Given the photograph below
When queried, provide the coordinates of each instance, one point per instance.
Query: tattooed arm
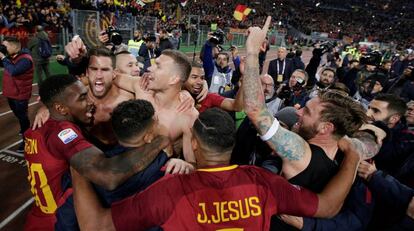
(366, 143)
(110, 172)
(294, 151)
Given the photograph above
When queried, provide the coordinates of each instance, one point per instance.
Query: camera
(114, 35)
(324, 47)
(327, 46)
(217, 37)
(372, 58)
(3, 49)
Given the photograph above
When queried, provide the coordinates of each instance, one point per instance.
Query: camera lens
(116, 38)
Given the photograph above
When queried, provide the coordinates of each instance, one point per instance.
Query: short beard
(308, 132)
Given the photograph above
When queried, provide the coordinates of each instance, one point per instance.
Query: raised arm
(110, 172)
(128, 82)
(229, 104)
(288, 145)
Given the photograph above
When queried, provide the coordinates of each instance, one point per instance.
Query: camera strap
(284, 65)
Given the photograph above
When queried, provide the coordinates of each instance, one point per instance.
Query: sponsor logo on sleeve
(67, 135)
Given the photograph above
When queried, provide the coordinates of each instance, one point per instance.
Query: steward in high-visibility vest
(135, 44)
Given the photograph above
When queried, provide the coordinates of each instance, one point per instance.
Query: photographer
(312, 67)
(372, 86)
(326, 79)
(369, 62)
(293, 91)
(112, 39)
(218, 72)
(403, 81)
(149, 51)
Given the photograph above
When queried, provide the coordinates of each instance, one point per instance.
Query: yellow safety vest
(133, 47)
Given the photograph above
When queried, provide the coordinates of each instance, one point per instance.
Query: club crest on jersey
(67, 135)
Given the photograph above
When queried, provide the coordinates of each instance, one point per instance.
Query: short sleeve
(66, 141)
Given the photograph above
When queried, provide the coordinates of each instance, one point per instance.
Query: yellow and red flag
(241, 12)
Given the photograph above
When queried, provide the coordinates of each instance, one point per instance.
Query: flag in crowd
(241, 12)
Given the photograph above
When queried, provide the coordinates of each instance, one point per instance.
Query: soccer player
(50, 150)
(195, 85)
(166, 78)
(217, 195)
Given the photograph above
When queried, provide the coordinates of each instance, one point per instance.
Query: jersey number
(50, 205)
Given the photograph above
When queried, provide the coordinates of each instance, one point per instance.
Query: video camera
(372, 58)
(324, 47)
(217, 37)
(287, 92)
(114, 35)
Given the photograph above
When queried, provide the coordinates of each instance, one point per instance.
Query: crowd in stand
(53, 15)
(355, 19)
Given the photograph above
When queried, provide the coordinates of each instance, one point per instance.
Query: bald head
(39, 28)
(281, 53)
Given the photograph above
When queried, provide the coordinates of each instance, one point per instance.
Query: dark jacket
(312, 66)
(349, 80)
(392, 199)
(407, 92)
(34, 44)
(395, 149)
(18, 76)
(165, 44)
(274, 71)
(147, 54)
(354, 215)
(298, 63)
(73, 68)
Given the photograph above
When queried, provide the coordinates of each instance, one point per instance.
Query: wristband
(272, 130)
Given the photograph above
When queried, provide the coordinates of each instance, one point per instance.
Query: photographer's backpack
(45, 49)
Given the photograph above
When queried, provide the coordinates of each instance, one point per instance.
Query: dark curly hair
(51, 88)
(131, 118)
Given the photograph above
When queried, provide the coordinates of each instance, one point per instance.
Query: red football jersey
(223, 198)
(212, 100)
(47, 152)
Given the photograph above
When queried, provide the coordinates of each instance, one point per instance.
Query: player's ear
(60, 108)
(194, 143)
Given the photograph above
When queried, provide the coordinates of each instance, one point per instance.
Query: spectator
(390, 110)
(218, 71)
(164, 42)
(281, 68)
(148, 51)
(17, 82)
(41, 63)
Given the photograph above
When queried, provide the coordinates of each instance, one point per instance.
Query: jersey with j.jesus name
(48, 151)
(221, 198)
